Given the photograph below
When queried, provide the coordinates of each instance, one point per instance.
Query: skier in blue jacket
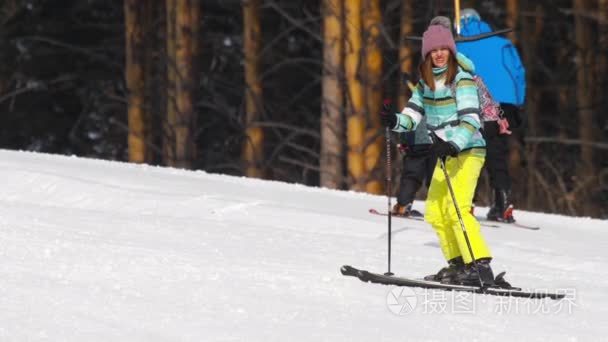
(497, 62)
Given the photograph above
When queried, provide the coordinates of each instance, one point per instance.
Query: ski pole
(388, 194)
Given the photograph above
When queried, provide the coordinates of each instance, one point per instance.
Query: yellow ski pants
(463, 171)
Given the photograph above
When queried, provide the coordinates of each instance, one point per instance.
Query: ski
(376, 278)
(418, 216)
(512, 224)
(415, 214)
(509, 214)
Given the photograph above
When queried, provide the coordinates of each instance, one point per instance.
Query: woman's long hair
(426, 70)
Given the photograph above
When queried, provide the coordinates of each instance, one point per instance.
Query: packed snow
(94, 250)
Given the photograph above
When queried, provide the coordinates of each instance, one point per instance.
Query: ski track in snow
(93, 250)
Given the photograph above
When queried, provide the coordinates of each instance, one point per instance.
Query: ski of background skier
(418, 216)
(514, 224)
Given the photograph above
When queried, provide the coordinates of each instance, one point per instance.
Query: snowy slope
(100, 251)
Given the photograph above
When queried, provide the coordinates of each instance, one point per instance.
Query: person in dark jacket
(417, 168)
(498, 63)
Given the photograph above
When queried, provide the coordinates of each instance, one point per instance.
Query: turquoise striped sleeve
(412, 114)
(416, 102)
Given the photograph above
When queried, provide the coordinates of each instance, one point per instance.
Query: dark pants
(417, 168)
(497, 162)
(497, 158)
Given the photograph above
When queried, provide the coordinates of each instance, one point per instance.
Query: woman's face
(440, 57)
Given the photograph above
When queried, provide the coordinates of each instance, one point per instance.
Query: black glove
(490, 129)
(442, 149)
(513, 114)
(387, 115)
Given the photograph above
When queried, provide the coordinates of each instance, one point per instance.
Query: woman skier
(445, 100)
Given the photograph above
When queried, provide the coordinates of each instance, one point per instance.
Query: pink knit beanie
(435, 37)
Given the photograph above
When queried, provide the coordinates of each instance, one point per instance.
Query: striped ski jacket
(451, 112)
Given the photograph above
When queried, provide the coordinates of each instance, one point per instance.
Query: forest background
(290, 90)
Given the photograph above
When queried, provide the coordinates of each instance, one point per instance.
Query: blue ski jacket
(496, 61)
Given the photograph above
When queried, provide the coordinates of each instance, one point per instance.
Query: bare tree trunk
(182, 38)
(512, 19)
(156, 85)
(406, 53)
(515, 147)
(169, 123)
(253, 147)
(532, 28)
(188, 15)
(355, 119)
(332, 120)
(138, 117)
(585, 83)
(602, 56)
(372, 23)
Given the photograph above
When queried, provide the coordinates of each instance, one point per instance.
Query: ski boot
(501, 283)
(507, 216)
(402, 209)
(472, 273)
(502, 210)
(448, 274)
